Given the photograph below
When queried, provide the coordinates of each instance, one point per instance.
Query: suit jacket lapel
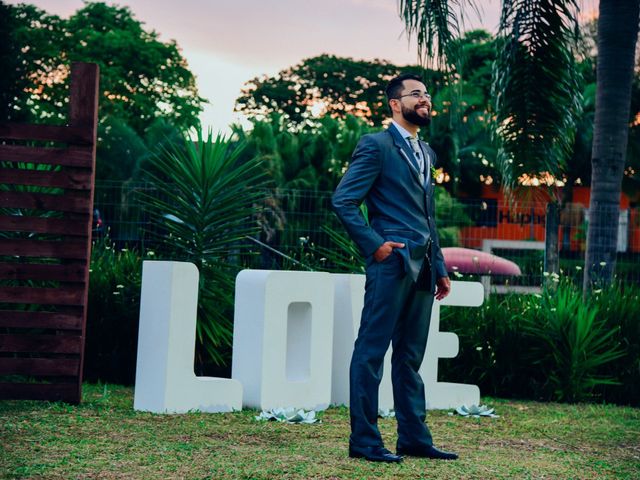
(428, 158)
(429, 181)
(405, 152)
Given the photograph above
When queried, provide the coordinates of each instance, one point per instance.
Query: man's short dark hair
(394, 87)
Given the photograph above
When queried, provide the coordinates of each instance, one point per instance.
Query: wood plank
(47, 202)
(24, 343)
(44, 249)
(76, 135)
(83, 99)
(67, 392)
(43, 271)
(48, 156)
(53, 320)
(60, 226)
(43, 296)
(83, 111)
(53, 367)
(75, 180)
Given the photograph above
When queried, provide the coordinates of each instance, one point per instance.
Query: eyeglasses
(417, 95)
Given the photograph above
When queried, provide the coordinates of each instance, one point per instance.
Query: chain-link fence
(297, 228)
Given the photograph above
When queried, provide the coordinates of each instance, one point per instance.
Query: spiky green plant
(571, 342)
(619, 304)
(204, 206)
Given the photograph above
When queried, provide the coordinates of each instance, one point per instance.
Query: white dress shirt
(423, 163)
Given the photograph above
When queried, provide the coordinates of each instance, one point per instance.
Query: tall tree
(547, 25)
(459, 132)
(617, 36)
(536, 87)
(10, 87)
(325, 85)
(141, 77)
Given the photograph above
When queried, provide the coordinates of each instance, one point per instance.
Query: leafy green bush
(451, 216)
(113, 312)
(491, 347)
(555, 346)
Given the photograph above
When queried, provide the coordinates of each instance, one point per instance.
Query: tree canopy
(327, 85)
(141, 77)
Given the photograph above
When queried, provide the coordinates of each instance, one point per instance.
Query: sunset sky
(228, 42)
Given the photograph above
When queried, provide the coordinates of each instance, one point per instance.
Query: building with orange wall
(495, 218)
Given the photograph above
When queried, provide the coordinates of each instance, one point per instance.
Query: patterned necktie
(417, 153)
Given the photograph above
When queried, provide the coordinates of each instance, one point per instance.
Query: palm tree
(617, 35)
(535, 132)
(201, 209)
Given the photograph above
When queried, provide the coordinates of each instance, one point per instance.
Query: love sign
(292, 345)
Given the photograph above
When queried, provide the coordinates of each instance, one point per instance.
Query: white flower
(119, 286)
(598, 291)
(151, 253)
(546, 274)
(578, 267)
(602, 264)
(116, 293)
(478, 348)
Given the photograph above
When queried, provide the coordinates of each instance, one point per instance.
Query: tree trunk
(617, 34)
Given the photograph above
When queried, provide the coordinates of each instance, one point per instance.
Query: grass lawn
(105, 438)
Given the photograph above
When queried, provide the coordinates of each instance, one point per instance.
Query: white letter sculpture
(446, 345)
(292, 343)
(349, 299)
(165, 380)
(348, 303)
(282, 336)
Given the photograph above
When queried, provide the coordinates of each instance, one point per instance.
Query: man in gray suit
(391, 172)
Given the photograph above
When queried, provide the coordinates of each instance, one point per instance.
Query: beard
(413, 117)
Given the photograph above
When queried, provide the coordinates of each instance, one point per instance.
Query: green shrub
(491, 347)
(554, 346)
(570, 343)
(113, 312)
(619, 306)
(202, 212)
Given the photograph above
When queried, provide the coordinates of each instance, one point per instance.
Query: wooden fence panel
(47, 176)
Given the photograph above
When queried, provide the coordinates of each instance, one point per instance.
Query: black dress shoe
(426, 452)
(374, 454)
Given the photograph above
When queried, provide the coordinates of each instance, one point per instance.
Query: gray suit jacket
(384, 174)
